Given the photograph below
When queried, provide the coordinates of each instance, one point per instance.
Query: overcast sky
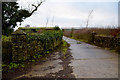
(72, 13)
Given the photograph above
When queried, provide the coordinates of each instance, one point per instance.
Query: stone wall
(107, 41)
(25, 47)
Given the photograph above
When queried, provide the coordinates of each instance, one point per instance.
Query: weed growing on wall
(29, 47)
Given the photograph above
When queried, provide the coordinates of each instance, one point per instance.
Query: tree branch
(36, 7)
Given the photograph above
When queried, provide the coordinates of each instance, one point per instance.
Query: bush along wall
(26, 46)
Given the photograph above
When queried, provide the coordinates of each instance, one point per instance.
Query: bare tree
(47, 20)
(53, 21)
(29, 8)
(88, 19)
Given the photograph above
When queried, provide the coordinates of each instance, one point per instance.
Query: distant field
(82, 33)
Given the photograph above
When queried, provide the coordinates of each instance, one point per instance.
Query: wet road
(91, 61)
(81, 60)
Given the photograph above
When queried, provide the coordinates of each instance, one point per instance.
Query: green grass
(64, 47)
(78, 42)
(64, 43)
(13, 65)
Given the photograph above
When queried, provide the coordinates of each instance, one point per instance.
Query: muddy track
(65, 73)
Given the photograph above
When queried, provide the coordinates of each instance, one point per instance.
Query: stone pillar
(93, 37)
(18, 39)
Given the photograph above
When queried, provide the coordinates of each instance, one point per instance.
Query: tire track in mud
(67, 70)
